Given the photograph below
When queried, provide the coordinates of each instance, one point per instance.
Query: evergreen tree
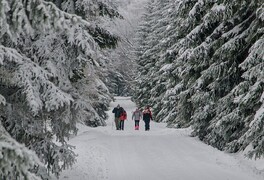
(48, 79)
(212, 68)
(13, 153)
(121, 66)
(147, 51)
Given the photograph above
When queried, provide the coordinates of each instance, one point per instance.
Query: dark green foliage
(201, 73)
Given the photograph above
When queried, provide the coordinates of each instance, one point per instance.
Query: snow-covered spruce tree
(223, 117)
(46, 54)
(253, 98)
(89, 61)
(25, 116)
(163, 77)
(186, 66)
(212, 48)
(141, 85)
(147, 51)
(166, 78)
(13, 153)
(159, 45)
(97, 12)
(15, 157)
(120, 66)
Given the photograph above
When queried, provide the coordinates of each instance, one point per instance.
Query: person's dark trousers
(147, 121)
(136, 123)
(122, 124)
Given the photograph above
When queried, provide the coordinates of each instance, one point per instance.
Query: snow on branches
(48, 62)
(206, 70)
(16, 159)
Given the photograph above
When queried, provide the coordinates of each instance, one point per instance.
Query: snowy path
(160, 154)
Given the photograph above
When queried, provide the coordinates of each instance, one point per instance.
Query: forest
(202, 64)
(197, 63)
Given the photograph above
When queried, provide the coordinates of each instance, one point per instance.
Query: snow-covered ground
(158, 154)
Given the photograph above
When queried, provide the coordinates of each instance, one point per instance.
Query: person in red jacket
(147, 116)
(123, 117)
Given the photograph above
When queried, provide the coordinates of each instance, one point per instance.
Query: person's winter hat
(118, 105)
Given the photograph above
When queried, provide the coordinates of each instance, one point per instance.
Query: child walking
(136, 116)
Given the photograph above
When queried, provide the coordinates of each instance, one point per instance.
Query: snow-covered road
(158, 154)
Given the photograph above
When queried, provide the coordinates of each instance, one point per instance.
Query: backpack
(123, 115)
(147, 115)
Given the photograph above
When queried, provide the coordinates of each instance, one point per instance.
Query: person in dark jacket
(117, 111)
(147, 116)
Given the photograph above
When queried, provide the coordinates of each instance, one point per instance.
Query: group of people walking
(137, 115)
